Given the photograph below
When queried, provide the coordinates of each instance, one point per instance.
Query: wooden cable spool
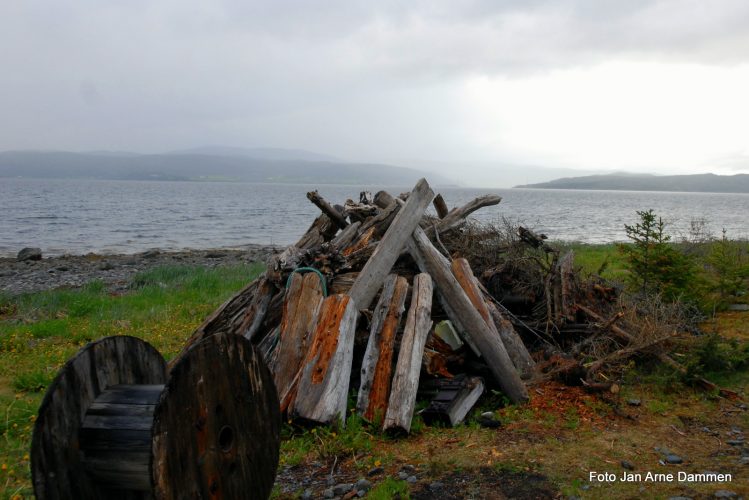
(113, 424)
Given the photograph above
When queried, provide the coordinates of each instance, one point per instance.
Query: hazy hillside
(206, 167)
(708, 183)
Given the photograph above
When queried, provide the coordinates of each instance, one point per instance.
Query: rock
(63, 268)
(341, 489)
(403, 475)
(328, 493)
(29, 253)
(436, 486)
(361, 493)
(411, 479)
(215, 254)
(634, 402)
(150, 254)
(725, 494)
(408, 468)
(363, 484)
(673, 459)
(375, 471)
(307, 495)
(628, 465)
(487, 414)
(735, 442)
(744, 461)
(106, 266)
(489, 423)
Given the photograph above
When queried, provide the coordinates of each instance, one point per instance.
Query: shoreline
(114, 270)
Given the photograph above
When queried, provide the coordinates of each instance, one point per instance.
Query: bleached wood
(391, 245)
(345, 237)
(440, 206)
(466, 318)
(457, 216)
(327, 209)
(406, 379)
(377, 365)
(323, 384)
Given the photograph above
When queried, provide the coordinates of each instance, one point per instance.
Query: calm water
(130, 216)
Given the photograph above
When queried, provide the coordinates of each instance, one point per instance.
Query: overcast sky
(657, 86)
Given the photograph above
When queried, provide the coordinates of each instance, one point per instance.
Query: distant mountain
(202, 167)
(701, 183)
(258, 153)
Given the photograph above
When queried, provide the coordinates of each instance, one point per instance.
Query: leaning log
(466, 318)
(440, 206)
(377, 365)
(566, 284)
(327, 209)
(323, 384)
(514, 346)
(457, 216)
(303, 300)
(406, 379)
(391, 245)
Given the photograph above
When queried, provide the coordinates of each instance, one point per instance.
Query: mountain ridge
(697, 183)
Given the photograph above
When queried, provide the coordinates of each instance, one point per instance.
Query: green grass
(602, 259)
(40, 331)
(389, 489)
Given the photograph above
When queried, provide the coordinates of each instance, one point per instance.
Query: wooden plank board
(466, 318)
(303, 300)
(406, 378)
(377, 365)
(322, 389)
(391, 245)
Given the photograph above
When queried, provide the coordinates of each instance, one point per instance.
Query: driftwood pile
(349, 309)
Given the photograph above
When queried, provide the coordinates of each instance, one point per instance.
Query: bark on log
(328, 210)
(324, 378)
(303, 300)
(255, 312)
(378, 266)
(377, 365)
(457, 216)
(406, 379)
(466, 318)
(440, 206)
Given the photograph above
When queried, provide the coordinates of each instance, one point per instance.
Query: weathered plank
(324, 378)
(406, 378)
(504, 330)
(466, 318)
(391, 245)
(377, 365)
(345, 237)
(302, 304)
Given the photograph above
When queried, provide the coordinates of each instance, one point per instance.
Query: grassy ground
(39, 332)
(545, 448)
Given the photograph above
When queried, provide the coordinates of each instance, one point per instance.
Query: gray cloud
(351, 78)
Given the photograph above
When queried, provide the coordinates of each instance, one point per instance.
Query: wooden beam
(303, 300)
(406, 379)
(377, 365)
(466, 318)
(323, 384)
(391, 245)
(501, 327)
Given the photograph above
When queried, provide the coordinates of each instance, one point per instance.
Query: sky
(477, 90)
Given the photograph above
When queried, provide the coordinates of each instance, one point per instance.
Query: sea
(103, 216)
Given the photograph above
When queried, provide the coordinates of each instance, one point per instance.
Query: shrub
(655, 266)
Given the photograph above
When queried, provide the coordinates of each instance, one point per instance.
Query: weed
(389, 489)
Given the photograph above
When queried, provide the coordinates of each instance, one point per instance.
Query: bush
(655, 265)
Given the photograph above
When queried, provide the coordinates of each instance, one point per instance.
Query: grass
(562, 433)
(40, 331)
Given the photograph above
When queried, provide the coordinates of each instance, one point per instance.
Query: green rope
(312, 270)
